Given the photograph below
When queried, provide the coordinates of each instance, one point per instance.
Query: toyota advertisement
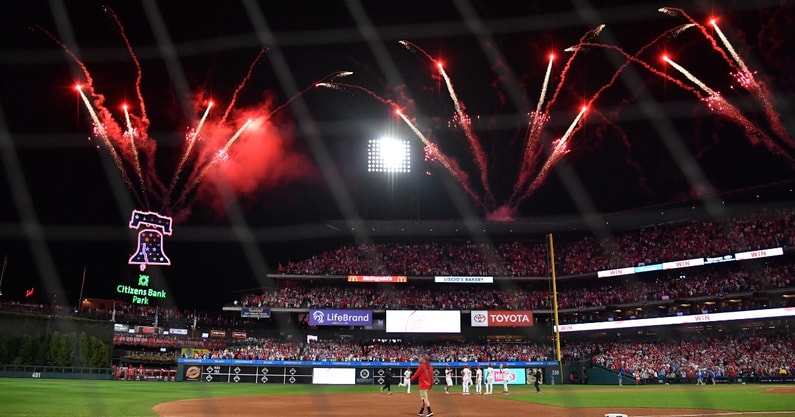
(340, 317)
(499, 318)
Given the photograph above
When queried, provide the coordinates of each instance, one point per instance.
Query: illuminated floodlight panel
(388, 155)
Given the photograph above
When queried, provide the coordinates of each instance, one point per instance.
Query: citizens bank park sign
(499, 318)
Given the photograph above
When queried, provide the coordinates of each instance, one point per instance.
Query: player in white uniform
(505, 373)
(478, 380)
(406, 380)
(466, 379)
(448, 378)
(489, 380)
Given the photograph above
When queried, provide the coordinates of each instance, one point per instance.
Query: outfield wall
(339, 373)
(54, 372)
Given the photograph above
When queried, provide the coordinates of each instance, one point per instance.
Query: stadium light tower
(388, 154)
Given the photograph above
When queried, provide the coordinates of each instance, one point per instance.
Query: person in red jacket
(424, 377)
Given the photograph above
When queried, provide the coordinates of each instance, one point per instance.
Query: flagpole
(80, 300)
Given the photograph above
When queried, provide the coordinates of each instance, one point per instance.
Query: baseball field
(48, 397)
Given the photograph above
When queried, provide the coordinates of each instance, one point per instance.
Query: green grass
(50, 397)
(752, 397)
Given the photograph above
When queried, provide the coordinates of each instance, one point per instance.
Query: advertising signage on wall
(340, 317)
(680, 320)
(423, 321)
(688, 263)
(377, 278)
(497, 318)
(463, 280)
(255, 312)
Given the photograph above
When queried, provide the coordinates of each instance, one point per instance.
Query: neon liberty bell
(152, 226)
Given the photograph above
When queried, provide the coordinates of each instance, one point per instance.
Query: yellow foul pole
(555, 301)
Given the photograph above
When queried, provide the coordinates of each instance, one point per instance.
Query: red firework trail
(665, 35)
(757, 89)
(343, 86)
(108, 130)
(242, 84)
(714, 101)
(590, 34)
(539, 118)
(532, 147)
(144, 119)
(319, 83)
(474, 143)
(195, 136)
(267, 157)
(718, 104)
(414, 48)
(647, 66)
(520, 193)
(433, 154)
(673, 11)
(559, 150)
(139, 75)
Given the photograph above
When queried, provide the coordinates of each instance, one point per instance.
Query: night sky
(298, 169)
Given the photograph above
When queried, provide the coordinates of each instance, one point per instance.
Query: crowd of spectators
(165, 341)
(574, 255)
(720, 281)
(255, 349)
(726, 356)
(135, 314)
(759, 355)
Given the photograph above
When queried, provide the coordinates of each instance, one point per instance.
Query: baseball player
(466, 379)
(505, 373)
(478, 380)
(448, 378)
(489, 380)
(406, 380)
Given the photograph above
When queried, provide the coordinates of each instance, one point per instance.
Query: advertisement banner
(333, 376)
(500, 318)
(377, 278)
(463, 280)
(340, 317)
(762, 253)
(423, 321)
(255, 312)
(364, 376)
(513, 375)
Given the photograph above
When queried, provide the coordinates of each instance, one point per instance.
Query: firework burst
(241, 146)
